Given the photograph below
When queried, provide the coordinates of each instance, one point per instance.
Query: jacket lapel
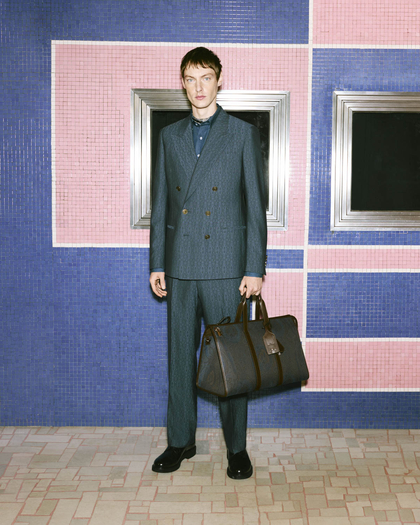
(184, 147)
(215, 144)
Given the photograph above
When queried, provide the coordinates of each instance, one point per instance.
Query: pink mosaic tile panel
(92, 129)
(366, 22)
(364, 259)
(358, 365)
(283, 294)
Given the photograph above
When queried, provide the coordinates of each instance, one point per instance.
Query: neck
(201, 113)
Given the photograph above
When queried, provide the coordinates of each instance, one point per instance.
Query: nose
(198, 86)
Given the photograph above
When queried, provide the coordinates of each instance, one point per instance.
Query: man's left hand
(250, 286)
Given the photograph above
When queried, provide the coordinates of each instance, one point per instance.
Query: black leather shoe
(240, 466)
(171, 459)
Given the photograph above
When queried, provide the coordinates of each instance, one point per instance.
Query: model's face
(201, 86)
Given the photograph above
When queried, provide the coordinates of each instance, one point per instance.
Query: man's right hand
(158, 284)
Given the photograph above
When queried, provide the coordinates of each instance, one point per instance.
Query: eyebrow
(202, 76)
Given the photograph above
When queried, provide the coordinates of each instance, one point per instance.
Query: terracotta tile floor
(102, 476)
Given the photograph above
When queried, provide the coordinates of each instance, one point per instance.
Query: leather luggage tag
(271, 344)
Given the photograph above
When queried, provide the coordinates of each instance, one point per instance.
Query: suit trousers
(188, 302)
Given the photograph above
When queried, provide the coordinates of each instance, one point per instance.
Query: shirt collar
(209, 121)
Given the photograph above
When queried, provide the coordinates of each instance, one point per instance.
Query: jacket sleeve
(255, 201)
(159, 210)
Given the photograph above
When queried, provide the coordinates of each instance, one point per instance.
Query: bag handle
(270, 341)
(239, 311)
(261, 309)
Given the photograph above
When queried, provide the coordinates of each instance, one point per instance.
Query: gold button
(178, 188)
(207, 236)
(207, 213)
(214, 188)
(185, 211)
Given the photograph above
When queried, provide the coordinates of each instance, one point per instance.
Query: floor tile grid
(100, 476)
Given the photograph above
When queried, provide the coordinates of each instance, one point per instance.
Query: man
(208, 240)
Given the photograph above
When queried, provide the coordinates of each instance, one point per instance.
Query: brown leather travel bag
(245, 356)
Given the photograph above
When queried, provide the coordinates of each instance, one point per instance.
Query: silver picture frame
(345, 105)
(145, 101)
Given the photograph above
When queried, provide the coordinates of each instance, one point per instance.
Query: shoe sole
(188, 454)
(245, 475)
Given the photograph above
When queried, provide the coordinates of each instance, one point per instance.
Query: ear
(183, 83)
(219, 82)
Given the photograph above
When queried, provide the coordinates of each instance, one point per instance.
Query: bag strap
(272, 345)
(270, 341)
(243, 310)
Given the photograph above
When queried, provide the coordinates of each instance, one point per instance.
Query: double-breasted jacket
(209, 214)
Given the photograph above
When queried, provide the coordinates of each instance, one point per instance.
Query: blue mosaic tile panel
(363, 305)
(284, 259)
(293, 408)
(351, 70)
(26, 285)
(110, 365)
(273, 22)
(27, 335)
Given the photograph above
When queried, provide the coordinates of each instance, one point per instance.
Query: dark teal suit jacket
(208, 215)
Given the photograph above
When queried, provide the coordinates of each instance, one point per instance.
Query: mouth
(200, 97)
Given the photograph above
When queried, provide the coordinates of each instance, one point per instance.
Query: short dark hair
(201, 56)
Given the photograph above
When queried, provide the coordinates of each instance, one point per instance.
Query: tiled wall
(83, 340)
